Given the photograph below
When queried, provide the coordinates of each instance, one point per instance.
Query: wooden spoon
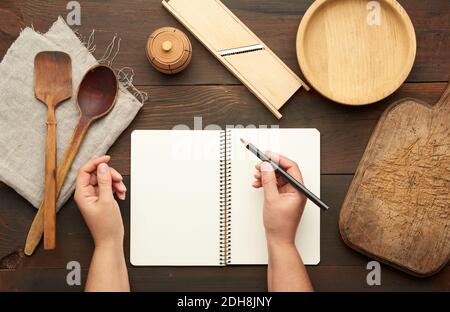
(53, 85)
(97, 95)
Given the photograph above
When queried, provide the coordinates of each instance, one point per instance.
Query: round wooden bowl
(356, 52)
(169, 50)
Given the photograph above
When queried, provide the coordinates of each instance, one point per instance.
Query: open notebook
(192, 202)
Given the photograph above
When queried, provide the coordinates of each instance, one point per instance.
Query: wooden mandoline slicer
(239, 49)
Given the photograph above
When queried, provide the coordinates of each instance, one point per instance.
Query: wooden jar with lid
(169, 50)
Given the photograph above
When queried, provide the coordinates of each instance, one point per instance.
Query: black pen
(298, 186)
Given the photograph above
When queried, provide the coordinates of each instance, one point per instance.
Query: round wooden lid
(169, 50)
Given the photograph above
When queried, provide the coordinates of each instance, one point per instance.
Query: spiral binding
(225, 197)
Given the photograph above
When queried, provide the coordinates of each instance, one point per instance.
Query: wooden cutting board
(397, 209)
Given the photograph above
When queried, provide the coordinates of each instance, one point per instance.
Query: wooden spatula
(53, 85)
(97, 95)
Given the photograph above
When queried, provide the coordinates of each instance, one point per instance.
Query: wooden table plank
(75, 243)
(182, 104)
(345, 130)
(275, 22)
(237, 279)
(206, 89)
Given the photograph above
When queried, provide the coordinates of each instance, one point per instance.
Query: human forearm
(94, 193)
(108, 271)
(286, 271)
(282, 212)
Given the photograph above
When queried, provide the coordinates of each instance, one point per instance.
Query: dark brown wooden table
(206, 89)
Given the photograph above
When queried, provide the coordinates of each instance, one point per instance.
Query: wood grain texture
(207, 89)
(354, 53)
(49, 212)
(35, 231)
(97, 94)
(341, 151)
(340, 267)
(266, 76)
(344, 130)
(213, 23)
(274, 22)
(398, 206)
(52, 86)
(229, 279)
(169, 50)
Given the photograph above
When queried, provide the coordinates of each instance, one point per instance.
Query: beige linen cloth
(23, 118)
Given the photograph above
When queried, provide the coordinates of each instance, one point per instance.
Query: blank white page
(175, 209)
(248, 242)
